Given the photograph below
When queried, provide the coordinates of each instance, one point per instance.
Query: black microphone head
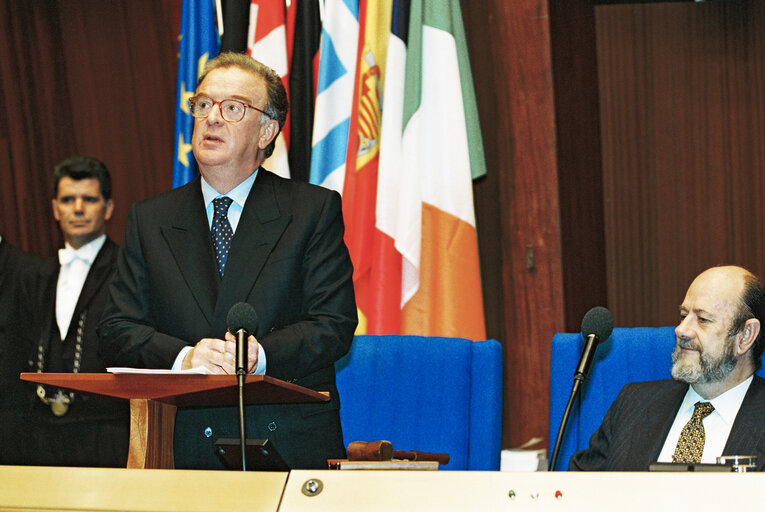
(598, 321)
(242, 316)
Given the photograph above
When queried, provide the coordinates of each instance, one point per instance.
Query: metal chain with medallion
(59, 403)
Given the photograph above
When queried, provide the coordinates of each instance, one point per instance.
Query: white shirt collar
(86, 253)
(238, 194)
(726, 405)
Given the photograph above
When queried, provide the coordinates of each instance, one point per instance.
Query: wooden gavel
(383, 450)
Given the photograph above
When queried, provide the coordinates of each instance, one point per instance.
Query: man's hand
(252, 350)
(218, 356)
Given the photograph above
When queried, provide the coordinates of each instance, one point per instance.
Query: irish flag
(430, 150)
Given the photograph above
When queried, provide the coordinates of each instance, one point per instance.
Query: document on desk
(199, 370)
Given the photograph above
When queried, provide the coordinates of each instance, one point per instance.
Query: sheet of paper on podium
(121, 370)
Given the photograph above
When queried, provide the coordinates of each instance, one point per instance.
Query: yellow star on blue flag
(183, 151)
(183, 100)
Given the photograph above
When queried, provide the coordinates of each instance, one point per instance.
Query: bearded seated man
(714, 404)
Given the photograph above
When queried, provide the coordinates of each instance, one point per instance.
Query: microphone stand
(241, 374)
(590, 345)
(564, 421)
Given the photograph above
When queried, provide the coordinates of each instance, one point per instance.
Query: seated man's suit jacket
(637, 423)
(288, 260)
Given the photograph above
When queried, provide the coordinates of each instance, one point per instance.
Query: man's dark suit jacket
(637, 423)
(98, 429)
(288, 260)
(15, 264)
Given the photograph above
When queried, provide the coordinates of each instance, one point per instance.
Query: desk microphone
(242, 320)
(597, 325)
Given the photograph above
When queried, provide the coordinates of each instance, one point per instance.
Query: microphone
(242, 320)
(597, 325)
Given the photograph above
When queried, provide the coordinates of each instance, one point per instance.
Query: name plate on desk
(395, 464)
(673, 467)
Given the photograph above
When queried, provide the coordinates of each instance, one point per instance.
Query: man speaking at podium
(714, 405)
(237, 234)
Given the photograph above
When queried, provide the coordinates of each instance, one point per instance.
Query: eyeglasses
(231, 110)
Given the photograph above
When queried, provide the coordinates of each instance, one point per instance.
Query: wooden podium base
(152, 425)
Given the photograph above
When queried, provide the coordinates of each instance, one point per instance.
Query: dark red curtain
(83, 77)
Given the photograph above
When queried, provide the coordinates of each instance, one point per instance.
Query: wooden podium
(155, 397)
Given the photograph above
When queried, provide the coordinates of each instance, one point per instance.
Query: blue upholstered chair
(629, 355)
(425, 393)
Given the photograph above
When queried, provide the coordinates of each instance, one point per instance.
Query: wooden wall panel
(510, 54)
(682, 112)
(539, 211)
(577, 133)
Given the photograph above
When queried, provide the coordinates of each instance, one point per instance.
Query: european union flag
(199, 42)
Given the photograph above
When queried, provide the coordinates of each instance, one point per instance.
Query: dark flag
(303, 86)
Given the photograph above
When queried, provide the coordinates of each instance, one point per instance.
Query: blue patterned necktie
(690, 445)
(221, 231)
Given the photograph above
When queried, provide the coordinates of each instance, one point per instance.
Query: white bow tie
(67, 255)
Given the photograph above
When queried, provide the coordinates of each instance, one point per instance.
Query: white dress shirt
(75, 265)
(716, 426)
(238, 196)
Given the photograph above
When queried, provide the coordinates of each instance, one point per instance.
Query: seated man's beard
(708, 368)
